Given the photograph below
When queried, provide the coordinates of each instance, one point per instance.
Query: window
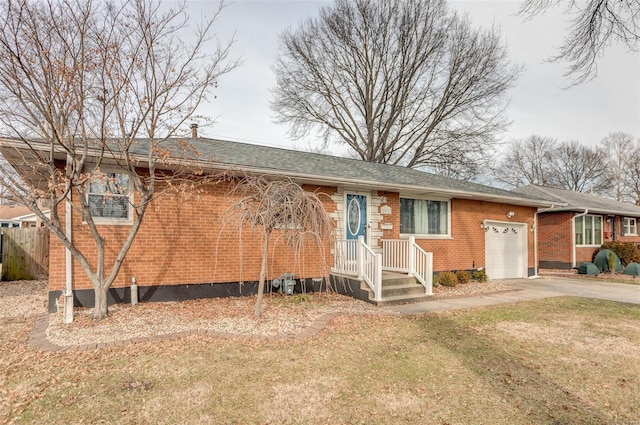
(629, 226)
(424, 217)
(588, 230)
(109, 198)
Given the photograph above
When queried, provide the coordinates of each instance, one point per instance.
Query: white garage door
(505, 250)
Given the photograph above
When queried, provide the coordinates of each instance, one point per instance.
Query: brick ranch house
(387, 218)
(578, 223)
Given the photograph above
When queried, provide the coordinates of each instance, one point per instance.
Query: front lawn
(555, 361)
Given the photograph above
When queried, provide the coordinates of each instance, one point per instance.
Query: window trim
(426, 235)
(582, 217)
(111, 220)
(635, 226)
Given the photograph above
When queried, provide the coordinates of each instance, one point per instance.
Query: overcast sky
(539, 104)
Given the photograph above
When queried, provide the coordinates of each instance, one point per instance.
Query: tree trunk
(263, 274)
(100, 310)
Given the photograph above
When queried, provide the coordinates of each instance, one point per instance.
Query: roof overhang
(592, 211)
(7, 146)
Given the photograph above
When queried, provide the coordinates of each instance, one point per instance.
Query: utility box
(285, 283)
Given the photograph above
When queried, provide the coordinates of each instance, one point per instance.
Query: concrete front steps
(397, 288)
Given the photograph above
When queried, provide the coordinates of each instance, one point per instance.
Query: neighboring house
(10, 215)
(570, 231)
(183, 251)
(18, 216)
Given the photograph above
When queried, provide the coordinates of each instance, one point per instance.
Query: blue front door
(356, 216)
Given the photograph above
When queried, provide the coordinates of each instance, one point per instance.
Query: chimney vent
(194, 131)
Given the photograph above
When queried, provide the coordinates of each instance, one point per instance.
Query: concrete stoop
(398, 288)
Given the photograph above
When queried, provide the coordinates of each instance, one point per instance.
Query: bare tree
(402, 82)
(620, 149)
(595, 25)
(283, 207)
(580, 168)
(80, 81)
(526, 161)
(632, 178)
(632, 174)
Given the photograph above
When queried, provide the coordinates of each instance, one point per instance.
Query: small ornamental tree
(80, 83)
(278, 206)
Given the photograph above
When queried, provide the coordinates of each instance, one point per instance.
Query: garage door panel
(506, 250)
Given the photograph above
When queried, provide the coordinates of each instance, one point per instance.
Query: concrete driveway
(532, 289)
(587, 288)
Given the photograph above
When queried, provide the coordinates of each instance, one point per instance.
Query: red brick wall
(185, 241)
(465, 249)
(554, 237)
(619, 229)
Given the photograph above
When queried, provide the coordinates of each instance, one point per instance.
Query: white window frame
(423, 235)
(626, 224)
(593, 230)
(112, 220)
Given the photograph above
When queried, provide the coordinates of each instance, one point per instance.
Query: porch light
(510, 214)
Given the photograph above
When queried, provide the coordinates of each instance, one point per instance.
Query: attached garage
(505, 250)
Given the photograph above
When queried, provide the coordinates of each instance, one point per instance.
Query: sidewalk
(529, 290)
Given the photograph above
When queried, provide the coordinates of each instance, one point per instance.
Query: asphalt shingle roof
(309, 165)
(314, 168)
(578, 201)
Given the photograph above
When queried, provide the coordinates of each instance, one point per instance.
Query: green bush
(627, 252)
(463, 276)
(480, 275)
(436, 281)
(447, 279)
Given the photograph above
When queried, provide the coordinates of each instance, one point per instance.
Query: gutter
(535, 244)
(573, 236)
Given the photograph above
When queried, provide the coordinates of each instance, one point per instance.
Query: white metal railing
(345, 257)
(405, 255)
(395, 255)
(421, 266)
(370, 267)
(354, 257)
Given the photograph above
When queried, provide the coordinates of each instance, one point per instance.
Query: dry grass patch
(500, 365)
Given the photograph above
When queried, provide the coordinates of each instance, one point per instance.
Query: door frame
(345, 223)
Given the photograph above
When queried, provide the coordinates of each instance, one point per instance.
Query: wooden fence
(25, 253)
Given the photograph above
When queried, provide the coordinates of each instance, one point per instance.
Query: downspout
(535, 244)
(573, 236)
(68, 290)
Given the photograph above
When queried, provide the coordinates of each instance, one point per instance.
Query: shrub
(447, 279)
(627, 252)
(463, 276)
(436, 281)
(480, 275)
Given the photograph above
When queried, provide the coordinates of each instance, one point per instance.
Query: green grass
(556, 361)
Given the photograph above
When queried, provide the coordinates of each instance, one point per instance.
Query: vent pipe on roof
(194, 131)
